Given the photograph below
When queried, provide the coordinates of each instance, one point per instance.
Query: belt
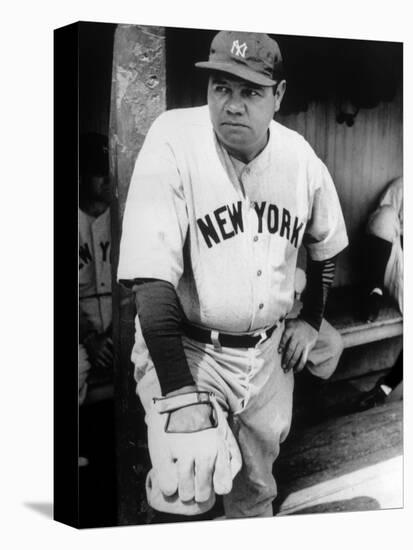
(206, 336)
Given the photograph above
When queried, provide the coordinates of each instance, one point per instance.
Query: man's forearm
(320, 276)
(160, 316)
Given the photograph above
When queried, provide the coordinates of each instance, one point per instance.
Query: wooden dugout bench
(342, 312)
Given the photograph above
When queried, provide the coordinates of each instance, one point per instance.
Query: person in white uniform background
(220, 201)
(383, 272)
(95, 287)
(97, 479)
(383, 251)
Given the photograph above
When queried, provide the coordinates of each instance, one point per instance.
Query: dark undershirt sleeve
(160, 317)
(320, 276)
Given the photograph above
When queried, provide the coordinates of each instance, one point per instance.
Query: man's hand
(189, 419)
(296, 343)
(99, 349)
(193, 463)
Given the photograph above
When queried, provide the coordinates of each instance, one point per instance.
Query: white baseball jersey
(393, 196)
(228, 242)
(95, 287)
(393, 278)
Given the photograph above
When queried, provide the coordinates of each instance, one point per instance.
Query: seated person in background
(384, 251)
(95, 294)
(384, 273)
(383, 388)
(97, 502)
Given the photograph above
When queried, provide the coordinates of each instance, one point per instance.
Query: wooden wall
(362, 159)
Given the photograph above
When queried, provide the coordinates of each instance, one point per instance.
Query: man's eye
(221, 89)
(251, 93)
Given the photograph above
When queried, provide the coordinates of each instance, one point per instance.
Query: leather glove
(188, 468)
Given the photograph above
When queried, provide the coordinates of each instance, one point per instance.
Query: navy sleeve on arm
(161, 316)
(320, 276)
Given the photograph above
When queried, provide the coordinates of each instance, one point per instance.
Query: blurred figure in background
(97, 484)
(95, 288)
(384, 275)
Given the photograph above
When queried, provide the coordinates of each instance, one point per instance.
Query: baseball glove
(188, 469)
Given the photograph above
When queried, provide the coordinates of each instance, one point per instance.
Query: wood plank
(372, 488)
(343, 312)
(339, 447)
(371, 333)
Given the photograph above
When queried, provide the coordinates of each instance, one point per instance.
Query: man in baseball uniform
(220, 201)
(95, 288)
(383, 249)
(95, 353)
(383, 252)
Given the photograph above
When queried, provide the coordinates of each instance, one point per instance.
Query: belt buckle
(215, 340)
(263, 336)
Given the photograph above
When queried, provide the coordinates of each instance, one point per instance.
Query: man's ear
(279, 94)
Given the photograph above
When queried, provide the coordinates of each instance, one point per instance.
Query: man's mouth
(234, 124)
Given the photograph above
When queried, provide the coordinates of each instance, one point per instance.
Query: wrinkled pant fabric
(256, 394)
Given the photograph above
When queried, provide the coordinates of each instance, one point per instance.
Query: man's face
(241, 113)
(99, 189)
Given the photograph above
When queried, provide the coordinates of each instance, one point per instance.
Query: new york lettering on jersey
(227, 221)
(95, 286)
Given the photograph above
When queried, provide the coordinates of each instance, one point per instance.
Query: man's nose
(235, 105)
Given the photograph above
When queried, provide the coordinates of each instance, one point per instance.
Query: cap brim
(237, 70)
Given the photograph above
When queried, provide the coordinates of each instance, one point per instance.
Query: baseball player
(220, 200)
(383, 249)
(95, 294)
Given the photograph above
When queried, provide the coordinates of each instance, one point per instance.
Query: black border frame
(65, 309)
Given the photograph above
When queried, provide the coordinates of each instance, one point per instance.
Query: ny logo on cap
(238, 49)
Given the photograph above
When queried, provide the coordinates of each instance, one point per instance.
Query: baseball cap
(251, 56)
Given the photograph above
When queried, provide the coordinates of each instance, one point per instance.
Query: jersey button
(259, 273)
(261, 306)
(256, 238)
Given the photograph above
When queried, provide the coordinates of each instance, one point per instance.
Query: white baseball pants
(256, 394)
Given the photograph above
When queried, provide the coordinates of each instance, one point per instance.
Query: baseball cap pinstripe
(251, 56)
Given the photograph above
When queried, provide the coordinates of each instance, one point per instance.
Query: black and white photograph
(206, 268)
(240, 285)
